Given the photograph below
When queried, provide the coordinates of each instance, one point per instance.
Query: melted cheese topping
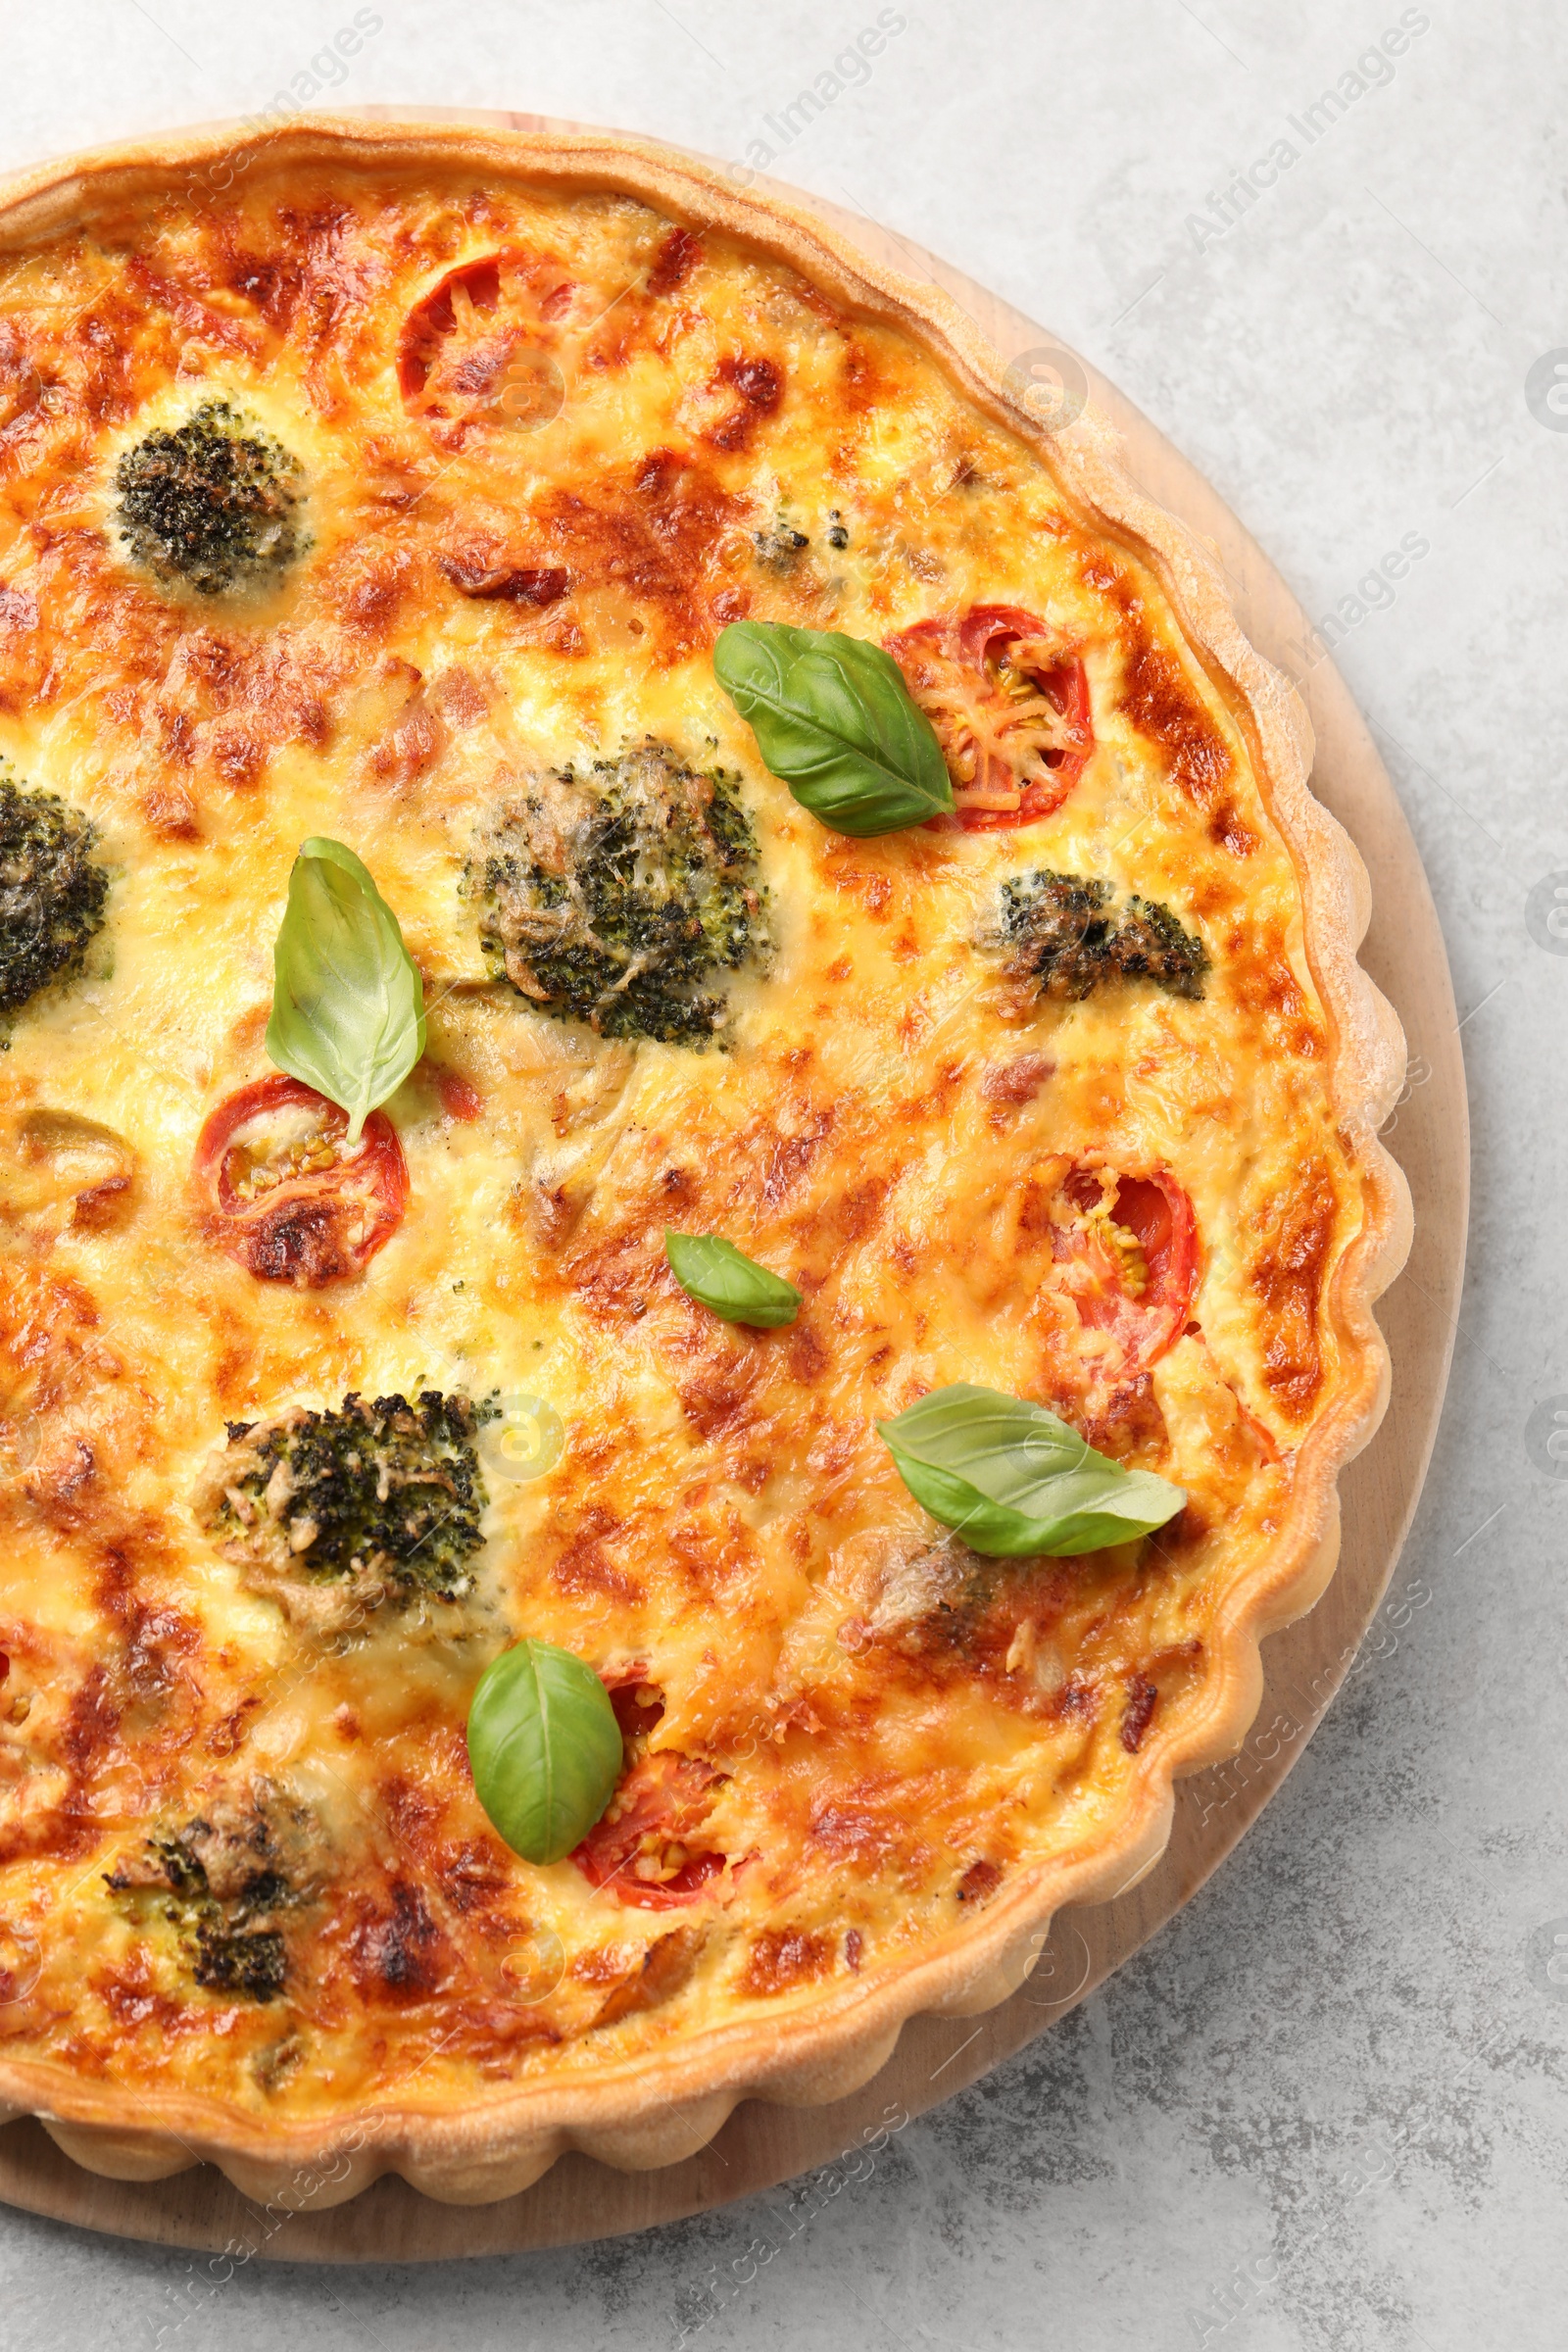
(889, 1728)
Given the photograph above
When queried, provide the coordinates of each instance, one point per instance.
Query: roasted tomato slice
(1128, 1245)
(1009, 701)
(639, 1706)
(643, 1849)
(476, 347)
(287, 1195)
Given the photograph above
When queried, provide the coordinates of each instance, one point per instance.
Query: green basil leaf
(716, 1274)
(1013, 1480)
(835, 722)
(348, 1003)
(545, 1748)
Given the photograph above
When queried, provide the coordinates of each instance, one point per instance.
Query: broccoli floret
(51, 891)
(222, 1883)
(611, 897)
(210, 506)
(251, 1962)
(334, 1513)
(1059, 931)
(1151, 944)
(1056, 931)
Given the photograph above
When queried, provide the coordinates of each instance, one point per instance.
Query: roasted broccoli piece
(332, 1513)
(610, 897)
(1060, 931)
(210, 506)
(224, 1883)
(51, 891)
(1151, 944)
(1056, 930)
(251, 1961)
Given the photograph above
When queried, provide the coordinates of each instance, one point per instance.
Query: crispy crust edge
(646, 2112)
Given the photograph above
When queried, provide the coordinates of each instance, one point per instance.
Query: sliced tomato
(285, 1192)
(1009, 701)
(1128, 1245)
(639, 1705)
(477, 344)
(459, 1098)
(643, 1849)
(473, 288)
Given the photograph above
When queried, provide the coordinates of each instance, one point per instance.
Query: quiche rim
(653, 2110)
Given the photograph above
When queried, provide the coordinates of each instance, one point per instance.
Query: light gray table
(1326, 2110)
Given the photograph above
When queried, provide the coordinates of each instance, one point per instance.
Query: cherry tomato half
(285, 1193)
(1009, 703)
(477, 346)
(1130, 1244)
(642, 1851)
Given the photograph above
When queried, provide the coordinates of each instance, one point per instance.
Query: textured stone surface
(1325, 2111)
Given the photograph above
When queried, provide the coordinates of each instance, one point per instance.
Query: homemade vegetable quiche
(688, 1187)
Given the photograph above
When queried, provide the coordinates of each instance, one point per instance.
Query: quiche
(384, 514)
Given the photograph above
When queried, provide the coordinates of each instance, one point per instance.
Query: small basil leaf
(716, 1274)
(348, 1003)
(545, 1748)
(835, 722)
(1013, 1480)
